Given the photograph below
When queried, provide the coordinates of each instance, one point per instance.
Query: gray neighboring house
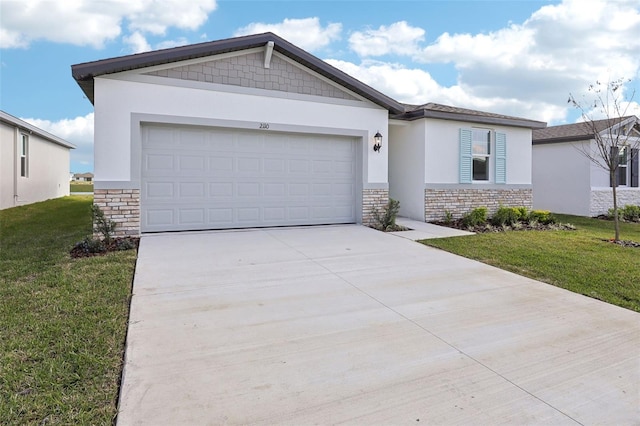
(566, 181)
(34, 164)
(82, 177)
(253, 131)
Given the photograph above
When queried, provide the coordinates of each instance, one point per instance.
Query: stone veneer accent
(602, 199)
(373, 199)
(461, 201)
(121, 206)
(249, 71)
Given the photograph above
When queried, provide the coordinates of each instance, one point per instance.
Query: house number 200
(264, 125)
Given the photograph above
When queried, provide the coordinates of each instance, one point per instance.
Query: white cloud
(399, 38)
(560, 49)
(137, 42)
(93, 23)
(78, 131)
(306, 33)
(416, 86)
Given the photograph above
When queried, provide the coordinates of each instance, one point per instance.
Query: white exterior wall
(48, 170)
(561, 176)
(442, 154)
(7, 165)
(406, 167)
(599, 176)
(117, 99)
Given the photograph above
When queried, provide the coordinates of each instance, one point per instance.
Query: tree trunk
(616, 222)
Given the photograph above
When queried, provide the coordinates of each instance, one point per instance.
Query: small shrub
(506, 216)
(102, 225)
(524, 214)
(475, 217)
(448, 217)
(386, 221)
(631, 213)
(90, 246)
(125, 244)
(543, 217)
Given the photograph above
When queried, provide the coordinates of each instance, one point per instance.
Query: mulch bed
(624, 243)
(481, 229)
(89, 248)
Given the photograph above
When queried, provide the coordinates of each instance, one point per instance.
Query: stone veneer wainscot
(121, 206)
(461, 201)
(602, 199)
(373, 199)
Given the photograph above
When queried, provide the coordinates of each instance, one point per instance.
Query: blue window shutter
(466, 157)
(501, 158)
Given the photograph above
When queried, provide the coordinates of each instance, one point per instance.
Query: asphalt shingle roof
(574, 132)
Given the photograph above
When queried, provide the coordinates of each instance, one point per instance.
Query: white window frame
(488, 156)
(24, 155)
(623, 165)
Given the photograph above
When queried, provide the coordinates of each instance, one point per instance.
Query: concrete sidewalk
(424, 231)
(344, 324)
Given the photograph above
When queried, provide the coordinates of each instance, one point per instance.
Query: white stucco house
(254, 131)
(34, 164)
(566, 181)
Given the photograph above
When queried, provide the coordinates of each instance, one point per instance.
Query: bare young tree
(615, 134)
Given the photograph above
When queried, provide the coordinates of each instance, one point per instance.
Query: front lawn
(578, 260)
(62, 320)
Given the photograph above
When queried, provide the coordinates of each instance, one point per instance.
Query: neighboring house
(566, 181)
(254, 131)
(34, 164)
(83, 177)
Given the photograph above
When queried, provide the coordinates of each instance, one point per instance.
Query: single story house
(82, 177)
(253, 131)
(34, 164)
(565, 180)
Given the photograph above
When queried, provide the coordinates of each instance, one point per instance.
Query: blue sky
(520, 58)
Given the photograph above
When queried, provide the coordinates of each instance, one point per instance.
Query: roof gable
(85, 73)
(248, 70)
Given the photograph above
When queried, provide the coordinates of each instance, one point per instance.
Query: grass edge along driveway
(579, 260)
(63, 321)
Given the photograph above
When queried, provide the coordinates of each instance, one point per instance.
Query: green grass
(81, 187)
(62, 320)
(575, 260)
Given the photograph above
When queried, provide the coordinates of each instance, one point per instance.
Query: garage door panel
(220, 164)
(192, 216)
(215, 179)
(221, 217)
(221, 189)
(192, 162)
(159, 190)
(192, 190)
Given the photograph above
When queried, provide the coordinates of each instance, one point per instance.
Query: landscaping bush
(543, 217)
(475, 217)
(386, 221)
(631, 213)
(506, 216)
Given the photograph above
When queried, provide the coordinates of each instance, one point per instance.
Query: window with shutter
(466, 156)
(614, 152)
(501, 158)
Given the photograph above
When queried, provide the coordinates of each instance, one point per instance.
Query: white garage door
(202, 178)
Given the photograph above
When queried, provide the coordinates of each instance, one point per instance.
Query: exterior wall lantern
(378, 142)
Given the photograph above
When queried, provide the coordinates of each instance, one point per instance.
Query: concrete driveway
(344, 324)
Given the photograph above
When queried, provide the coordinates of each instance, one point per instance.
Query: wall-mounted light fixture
(378, 142)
